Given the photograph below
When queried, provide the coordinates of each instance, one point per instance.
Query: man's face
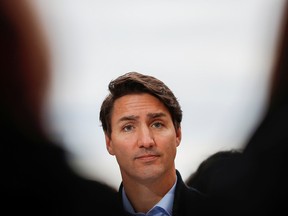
(143, 137)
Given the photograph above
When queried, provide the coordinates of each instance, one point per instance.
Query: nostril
(146, 142)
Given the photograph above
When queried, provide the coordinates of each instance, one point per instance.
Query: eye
(157, 125)
(128, 128)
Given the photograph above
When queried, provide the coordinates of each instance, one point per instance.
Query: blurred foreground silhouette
(39, 180)
(255, 181)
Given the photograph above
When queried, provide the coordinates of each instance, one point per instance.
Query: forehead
(138, 104)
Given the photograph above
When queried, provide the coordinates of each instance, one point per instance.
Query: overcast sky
(215, 55)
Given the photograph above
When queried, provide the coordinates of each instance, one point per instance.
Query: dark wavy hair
(134, 82)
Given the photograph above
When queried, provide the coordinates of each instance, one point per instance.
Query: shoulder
(186, 193)
(188, 200)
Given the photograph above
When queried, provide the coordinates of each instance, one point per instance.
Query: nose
(145, 138)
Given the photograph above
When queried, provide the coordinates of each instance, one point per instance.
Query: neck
(144, 195)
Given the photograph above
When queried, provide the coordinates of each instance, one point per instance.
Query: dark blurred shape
(209, 174)
(266, 153)
(255, 182)
(37, 176)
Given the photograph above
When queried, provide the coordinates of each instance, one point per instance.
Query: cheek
(168, 144)
(123, 155)
(171, 138)
(121, 146)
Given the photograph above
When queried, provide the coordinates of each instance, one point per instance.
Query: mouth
(147, 158)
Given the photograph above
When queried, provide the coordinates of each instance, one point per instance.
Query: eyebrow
(128, 118)
(150, 115)
(156, 115)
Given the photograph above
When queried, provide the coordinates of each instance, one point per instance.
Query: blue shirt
(162, 208)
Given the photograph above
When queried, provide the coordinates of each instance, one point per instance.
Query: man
(141, 119)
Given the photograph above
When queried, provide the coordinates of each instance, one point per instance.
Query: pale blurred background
(216, 55)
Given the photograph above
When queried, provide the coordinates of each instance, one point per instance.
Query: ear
(178, 136)
(109, 145)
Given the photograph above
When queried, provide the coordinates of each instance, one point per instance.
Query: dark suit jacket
(187, 200)
(41, 182)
